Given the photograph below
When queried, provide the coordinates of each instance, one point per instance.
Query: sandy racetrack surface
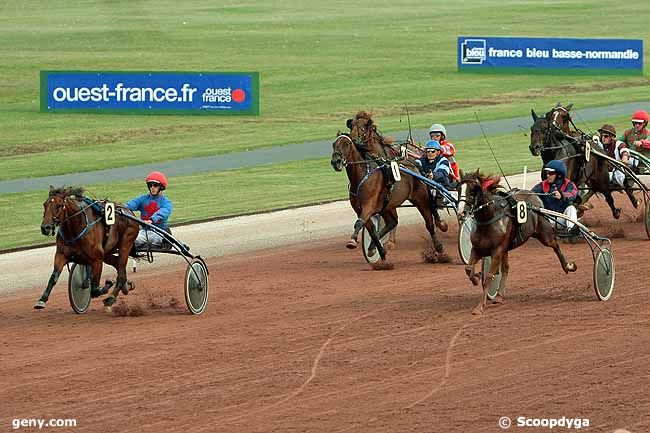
(307, 338)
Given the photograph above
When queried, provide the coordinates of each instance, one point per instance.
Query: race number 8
(522, 212)
(109, 213)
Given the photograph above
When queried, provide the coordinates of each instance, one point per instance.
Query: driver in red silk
(558, 192)
(638, 138)
(154, 209)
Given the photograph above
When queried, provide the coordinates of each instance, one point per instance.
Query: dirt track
(307, 338)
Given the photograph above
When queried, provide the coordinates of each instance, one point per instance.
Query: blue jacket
(565, 186)
(439, 167)
(157, 209)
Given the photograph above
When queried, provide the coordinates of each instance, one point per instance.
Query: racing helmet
(640, 116)
(437, 127)
(158, 177)
(557, 166)
(432, 145)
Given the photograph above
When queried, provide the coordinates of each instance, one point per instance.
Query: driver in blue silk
(558, 193)
(154, 209)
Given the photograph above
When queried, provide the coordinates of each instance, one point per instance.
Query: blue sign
(476, 53)
(150, 92)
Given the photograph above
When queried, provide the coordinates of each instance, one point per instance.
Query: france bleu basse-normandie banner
(494, 53)
(150, 92)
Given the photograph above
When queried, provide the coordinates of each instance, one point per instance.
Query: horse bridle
(57, 222)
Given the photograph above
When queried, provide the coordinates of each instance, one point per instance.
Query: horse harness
(88, 225)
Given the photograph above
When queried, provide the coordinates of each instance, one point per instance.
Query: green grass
(319, 63)
(262, 188)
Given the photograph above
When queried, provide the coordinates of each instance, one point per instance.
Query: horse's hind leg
(628, 185)
(427, 215)
(546, 236)
(616, 212)
(59, 262)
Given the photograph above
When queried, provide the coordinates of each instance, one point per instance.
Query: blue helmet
(432, 144)
(557, 166)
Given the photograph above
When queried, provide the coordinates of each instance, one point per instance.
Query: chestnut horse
(497, 230)
(371, 194)
(83, 237)
(552, 138)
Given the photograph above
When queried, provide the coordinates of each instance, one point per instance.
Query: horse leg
(505, 267)
(546, 236)
(358, 225)
(616, 212)
(60, 261)
(474, 277)
(585, 205)
(628, 185)
(427, 215)
(392, 237)
(494, 269)
(95, 278)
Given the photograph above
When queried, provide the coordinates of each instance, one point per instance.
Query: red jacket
(448, 150)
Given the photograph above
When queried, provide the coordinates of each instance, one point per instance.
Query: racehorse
(552, 138)
(83, 237)
(497, 230)
(371, 194)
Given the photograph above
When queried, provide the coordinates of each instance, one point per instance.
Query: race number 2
(522, 212)
(109, 213)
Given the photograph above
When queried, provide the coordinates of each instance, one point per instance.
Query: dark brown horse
(497, 230)
(371, 193)
(552, 138)
(83, 237)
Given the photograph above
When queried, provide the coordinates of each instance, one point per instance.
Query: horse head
(560, 117)
(54, 209)
(537, 133)
(342, 151)
(363, 132)
(476, 189)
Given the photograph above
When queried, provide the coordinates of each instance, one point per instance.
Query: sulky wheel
(604, 274)
(464, 239)
(372, 255)
(79, 288)
(196, 286)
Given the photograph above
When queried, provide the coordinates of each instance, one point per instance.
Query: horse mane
(489, 182)
(67, 190)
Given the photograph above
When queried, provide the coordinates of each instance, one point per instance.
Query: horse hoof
(498, 300)
(475, 280)
(108, 309)
(572, 267)
(617, 213)
(477, 311)
(442, 225)
(131, 285)
(39, 305)
(109, 301)
(390, 245)
(351, 245)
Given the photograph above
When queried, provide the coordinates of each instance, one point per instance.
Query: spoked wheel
(373, 256)
(493, 290)
(196, 286)
(79, 295)
(604, 274)
(464, 241)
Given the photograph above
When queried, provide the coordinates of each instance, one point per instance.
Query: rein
(87, 227)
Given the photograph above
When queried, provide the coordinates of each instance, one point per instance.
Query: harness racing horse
(497, 230)
(552, 138)
(364, 134)
(83, 237)
(371, 194)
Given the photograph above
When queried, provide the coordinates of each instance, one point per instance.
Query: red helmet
(156, 176)
(640, 116)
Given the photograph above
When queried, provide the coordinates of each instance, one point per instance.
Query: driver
(638, 137)
(438, 132)
(558, 193)
(154, 209)
(436, 167)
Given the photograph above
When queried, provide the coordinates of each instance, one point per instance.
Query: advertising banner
(150, 92)
(490, 53)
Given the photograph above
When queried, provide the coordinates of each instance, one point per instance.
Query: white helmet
(436, 127)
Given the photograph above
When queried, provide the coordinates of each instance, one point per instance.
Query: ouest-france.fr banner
(150, 92)
(477, 53)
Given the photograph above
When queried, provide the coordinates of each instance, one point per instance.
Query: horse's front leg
(470, 268)
(547, 237)
(494, 269)
(60, 261)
